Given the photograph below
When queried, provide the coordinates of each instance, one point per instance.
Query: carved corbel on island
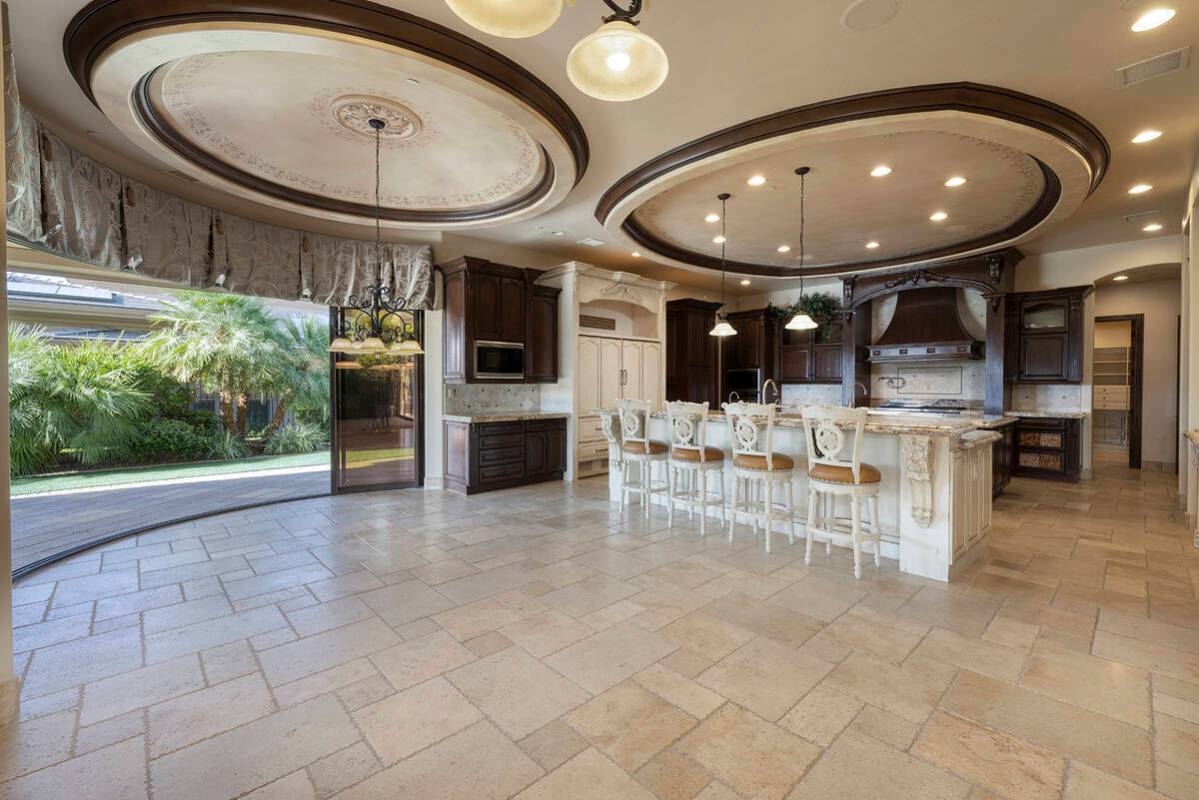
(917, 457)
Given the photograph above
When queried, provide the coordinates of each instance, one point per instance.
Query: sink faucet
(770, 383)
(865, 391)
(734, 397)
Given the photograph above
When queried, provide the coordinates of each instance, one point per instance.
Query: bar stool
(639, 449)
(831, 476)
(691, 458)
(757, 468)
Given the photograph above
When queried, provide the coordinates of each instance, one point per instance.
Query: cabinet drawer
(590, 450)
(493, 428)
(591, 428)
(501, 455)
(500, 440)
(502, 472)
(1111, 404)
(1053, 440)
(547, 424)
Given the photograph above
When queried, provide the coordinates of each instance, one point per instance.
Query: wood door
(651, 373)
(1045, 357)
(483, 289)
(536, 454)
(541, 341)
(609, 378)
(795, 364)
(826, 363)
(511, 309)
(588, 380)
(630, 363)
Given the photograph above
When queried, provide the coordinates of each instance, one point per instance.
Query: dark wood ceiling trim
(102, 23)
(1050, 195)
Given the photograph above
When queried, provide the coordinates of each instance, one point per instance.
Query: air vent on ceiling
(590, 242)
(1154, 67)
(183, 176)
(1141, 216)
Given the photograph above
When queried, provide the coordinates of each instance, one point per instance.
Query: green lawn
(116, 477)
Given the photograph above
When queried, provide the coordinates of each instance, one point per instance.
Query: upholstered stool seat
(867, 473)
(709, 454)
(648, 448)
(693, 464)
(777, 462)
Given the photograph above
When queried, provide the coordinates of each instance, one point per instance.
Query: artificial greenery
(820, 306)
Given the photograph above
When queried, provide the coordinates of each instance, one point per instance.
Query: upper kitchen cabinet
(499, 326)
(811, 356)
(1046, 335)
(691, 373)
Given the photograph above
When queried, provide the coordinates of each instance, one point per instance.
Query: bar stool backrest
(751, 429)
(824, 429)
(634, 420)
(688, 424)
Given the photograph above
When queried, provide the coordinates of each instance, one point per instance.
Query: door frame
(1136, 389)
(418, 324)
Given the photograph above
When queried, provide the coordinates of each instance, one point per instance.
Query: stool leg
(768, 489)
(733, 507)
(624, 485)
(647, 477)
(807, 556)
(829, 506)
(672, 473)
(877, 531)
(855, 510)
(720, 477)
(691, 494)
(703, 501)
(789, 488)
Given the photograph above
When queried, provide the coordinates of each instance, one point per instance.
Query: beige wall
(1086, 265)
(1161, 303)
(1113, 334)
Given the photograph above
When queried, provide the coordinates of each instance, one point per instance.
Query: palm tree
(228, 344)
(300, 380)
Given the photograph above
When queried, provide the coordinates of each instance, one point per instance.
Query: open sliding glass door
(377, 408)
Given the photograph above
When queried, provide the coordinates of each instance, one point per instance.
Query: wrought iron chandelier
(801, 321)
(364, 322)
(722, 326)
(617, 62)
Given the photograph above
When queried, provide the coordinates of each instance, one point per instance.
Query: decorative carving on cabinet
(916, 454)
(994, 267)
(914, 278)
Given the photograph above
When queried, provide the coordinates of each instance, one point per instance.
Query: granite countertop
(890, 422)
(1192, 436)
(1048, 414)
(505, 416)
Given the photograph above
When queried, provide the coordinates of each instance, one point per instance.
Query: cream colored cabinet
(630, 371)
(611, 369)
(651, 373)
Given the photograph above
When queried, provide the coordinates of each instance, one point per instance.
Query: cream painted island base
(935, 499)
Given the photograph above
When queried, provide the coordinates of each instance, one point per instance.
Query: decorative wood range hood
(926, 327)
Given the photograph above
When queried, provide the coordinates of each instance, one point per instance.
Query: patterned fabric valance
(65, 202)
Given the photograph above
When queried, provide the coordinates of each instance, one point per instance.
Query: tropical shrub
(297, 437)
(226, 446)
(172, 440)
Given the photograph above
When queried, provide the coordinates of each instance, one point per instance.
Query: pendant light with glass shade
(364, 328)
(801, 321)
(722, 326)
(616, 63)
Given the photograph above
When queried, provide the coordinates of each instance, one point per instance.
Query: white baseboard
(434, 484)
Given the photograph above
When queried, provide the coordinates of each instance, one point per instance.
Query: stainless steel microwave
(499, 361)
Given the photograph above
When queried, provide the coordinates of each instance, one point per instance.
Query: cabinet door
(484, 291)
(512, 310)
(630, 363)
(1044, 356)
(536, 452)
(749, 343)
(795, 364)
(588, 366)
(555, 450)
(609, 373)
(541, 345)
(827, 363)
(651, 373)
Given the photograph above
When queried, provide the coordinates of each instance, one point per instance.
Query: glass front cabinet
(1045, 336)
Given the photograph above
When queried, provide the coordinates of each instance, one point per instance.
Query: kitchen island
(935, 497)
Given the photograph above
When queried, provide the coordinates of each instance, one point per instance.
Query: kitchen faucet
(865, 391)
(777, 394)
(734, 397)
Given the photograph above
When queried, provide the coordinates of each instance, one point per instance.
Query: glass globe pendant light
(618, 62)
(801, 321)
(722, 326)
(511, 19)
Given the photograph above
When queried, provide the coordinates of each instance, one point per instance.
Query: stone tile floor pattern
(532, 644)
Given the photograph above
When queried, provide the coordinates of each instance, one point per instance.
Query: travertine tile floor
(532, 644)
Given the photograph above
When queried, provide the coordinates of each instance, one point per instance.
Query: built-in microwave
(499, 361)
(747, 383)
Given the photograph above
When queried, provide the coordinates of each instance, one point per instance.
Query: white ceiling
(734, 61)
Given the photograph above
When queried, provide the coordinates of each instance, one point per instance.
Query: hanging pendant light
(618, 62)
(722, 326)
(801, 321)
(512, 19)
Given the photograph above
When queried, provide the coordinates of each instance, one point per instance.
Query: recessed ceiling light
(414, 81)
(880, 171)
(784, 248)
(1146, 136)
(745, 281)
(871, 245)
(1152, 227)
(955, 181)
(712, 218)
(557, 233)
(636, 254)
(720, 240)
(1120, 278)
(1153, 18)
(757, 180)
(939, 216)
(1140, 188)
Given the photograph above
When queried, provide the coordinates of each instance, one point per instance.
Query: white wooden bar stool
(692, 460)
(757, 468)
(830, 475)
(639, 449)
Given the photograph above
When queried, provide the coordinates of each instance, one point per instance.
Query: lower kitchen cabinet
(485, 456)
(1048, 447)
(1001, 458)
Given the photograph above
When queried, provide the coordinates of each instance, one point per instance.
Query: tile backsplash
(811, 394)
(468, 398)
(963, 380)
(1046, 397)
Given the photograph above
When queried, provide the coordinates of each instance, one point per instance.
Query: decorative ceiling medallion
(240, 97)
(354, 112)
(1031, 164)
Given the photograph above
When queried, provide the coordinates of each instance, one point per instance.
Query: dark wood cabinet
(1001, 458)
(810, 356)
(754, 347)
(1045, 336)
(486, 302)
(486, 456)
(1047, 447)
(691, 365)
